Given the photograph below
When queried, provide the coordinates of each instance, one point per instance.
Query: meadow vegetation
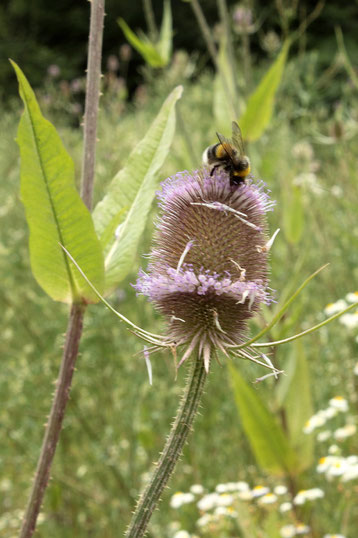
(116, 422)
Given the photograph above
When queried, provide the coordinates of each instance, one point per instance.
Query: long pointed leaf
(131, 193)
(269, 443)
(54, 210)
(298, 405)
(258, 113)
(145, 47)
(166, 33)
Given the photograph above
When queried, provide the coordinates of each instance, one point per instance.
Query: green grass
(116, 423)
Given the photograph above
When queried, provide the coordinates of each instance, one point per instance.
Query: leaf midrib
(72, 284)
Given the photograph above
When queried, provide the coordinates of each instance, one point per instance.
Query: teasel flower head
(208, 271)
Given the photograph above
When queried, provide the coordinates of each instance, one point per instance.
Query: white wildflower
(280, 490)
(288, 531)
(323, 436)
(339, 403)
(204, 520)
(258, 491)
(245, 495)
(302, 529)
(346, 431)
(351, 472)
(314, 422)
(179, 498)
(352, 297)
(334, 308)
(349, 320)
(224, 499)
(197, 489)
(208, 502)
(182, 534)
(285, 507)
(269, 498)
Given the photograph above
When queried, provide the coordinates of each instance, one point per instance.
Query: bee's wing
(227, 145)
(237, 138)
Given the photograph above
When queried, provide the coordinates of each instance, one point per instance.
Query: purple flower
(208, 269)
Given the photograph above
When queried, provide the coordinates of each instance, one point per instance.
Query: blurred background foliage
(116, 422)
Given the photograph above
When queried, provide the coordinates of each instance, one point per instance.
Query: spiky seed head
(208, 269)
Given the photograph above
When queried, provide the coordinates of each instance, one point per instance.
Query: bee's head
(244, 163)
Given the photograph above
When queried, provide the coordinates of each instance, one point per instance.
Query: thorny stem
(173, 448)
(54, 423)
(75, 322)
(92, 100)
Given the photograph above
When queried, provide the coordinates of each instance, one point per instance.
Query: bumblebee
(229, 155)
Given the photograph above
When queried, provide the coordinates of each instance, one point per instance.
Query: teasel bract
(208, 270)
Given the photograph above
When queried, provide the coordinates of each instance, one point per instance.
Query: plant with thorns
(207, 275)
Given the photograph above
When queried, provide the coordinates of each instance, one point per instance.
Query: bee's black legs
(214, 168)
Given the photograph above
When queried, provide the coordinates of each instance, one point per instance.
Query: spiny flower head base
(208, 268)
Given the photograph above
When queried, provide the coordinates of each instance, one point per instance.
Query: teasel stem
(75, 322)
(54, 424)
(173, 448)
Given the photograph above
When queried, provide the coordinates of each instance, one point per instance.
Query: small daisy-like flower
(349, 320)
(308, 495)
(245, 495)
(182, 534)
(285, 507)
(208, 269)
(334, 308)
(314, 422)
(330, 412)
(197, 489)
(288, 531)
(323, 436)
(208, 502)
(355, 369)
(241, 486)
(225, 511)
(225, 499)
(339, 403)
(204, 520)
(351, 472)
(269, 498)
(258, 491)
(280, 490)
(352, 297)
(302, 529)
(333, 466)
(179, 498)
(346, 431)
(334, 536)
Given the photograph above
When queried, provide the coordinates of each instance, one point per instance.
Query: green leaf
(55, 212)
(297, 401)
(131, 193)
(268, 441)
(293, 214)
(166, 34)
(258, 113)
(145, 47)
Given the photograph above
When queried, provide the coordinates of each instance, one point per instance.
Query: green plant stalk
(210, 43)
(224, 17)
(54, 423)
(75, 322)
(92, 100)
(150, 19)
(173, 448)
